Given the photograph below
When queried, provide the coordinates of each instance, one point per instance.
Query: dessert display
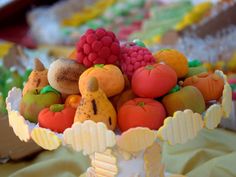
(113, 102)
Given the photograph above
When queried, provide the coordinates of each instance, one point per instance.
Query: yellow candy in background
(232, 63)
(88, 13)
(4, 48)
(194, 16)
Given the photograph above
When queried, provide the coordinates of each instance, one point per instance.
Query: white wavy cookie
(89, 173)
(222, 75)
(104, 164)
(16, 121)
(136, 139)
(152, 161)
(227, 100)
(90, 137)
(45, 138)
(19, 125)
(226, 95)
(213, 116)
(184, 125)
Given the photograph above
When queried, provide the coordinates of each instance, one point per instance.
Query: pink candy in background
(233, 81)
(125, 31)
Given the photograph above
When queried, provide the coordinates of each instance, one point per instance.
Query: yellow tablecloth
(59, 163)
(211, 154)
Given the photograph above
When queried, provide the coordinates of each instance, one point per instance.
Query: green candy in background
(2, 105)
(10, 78)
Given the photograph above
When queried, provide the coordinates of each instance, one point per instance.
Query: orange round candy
(174, 59)
(141, 112)
(73, 101)
(153, 81)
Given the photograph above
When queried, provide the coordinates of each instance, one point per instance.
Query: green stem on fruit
(99, 65)
(47, 89)
(175, 89)
(56, 107)
(194, 63)
(149, 67)
(142, 104)
(139, 42)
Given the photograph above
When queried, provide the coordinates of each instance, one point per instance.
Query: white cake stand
(131, 154)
